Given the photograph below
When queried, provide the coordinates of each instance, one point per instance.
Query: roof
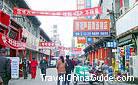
(131, 31)
(44, 35)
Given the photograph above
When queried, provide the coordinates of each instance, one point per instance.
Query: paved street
(37, 81)
(52, 72)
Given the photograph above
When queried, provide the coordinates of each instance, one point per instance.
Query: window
(12, 34)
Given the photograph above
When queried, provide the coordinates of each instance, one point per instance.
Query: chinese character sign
(47, 44)
(97, 27)
(69, 13)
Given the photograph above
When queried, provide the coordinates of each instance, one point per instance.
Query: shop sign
(90, 40)
(46, 44)
(81, 40)
(13, 43)
(127, 52)
(128, 37)
(14, 67)
(94, 28)
(68, 13)
(111, 44)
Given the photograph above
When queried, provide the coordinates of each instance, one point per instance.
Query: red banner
(69, 48)
(47, 44)
(69, 13)
(11, 43)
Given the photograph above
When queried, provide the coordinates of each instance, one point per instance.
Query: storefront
(101, 52)
(127, 48)
(10, 36)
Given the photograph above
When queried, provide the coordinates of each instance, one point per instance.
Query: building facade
(126, 26)
(19, 35)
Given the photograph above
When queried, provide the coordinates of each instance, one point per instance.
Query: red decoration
(4, 18)
(69, 13)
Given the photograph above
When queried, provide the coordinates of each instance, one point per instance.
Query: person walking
(69, 67)
(61, 69)
(74, 63)
(33, 68)
(25, 70)
(5, 69)
(43, 66)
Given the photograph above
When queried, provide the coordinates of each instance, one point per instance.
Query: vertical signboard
(127, 52)
(14, 67)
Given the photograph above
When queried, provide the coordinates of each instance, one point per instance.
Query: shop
(127, 48)
(101, 52)
(10, 36)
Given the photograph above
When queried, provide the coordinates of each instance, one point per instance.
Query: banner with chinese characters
(69, 48)
(46, 44)
(93, 28)
(69, 13)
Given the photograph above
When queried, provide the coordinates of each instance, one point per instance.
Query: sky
(65, 24)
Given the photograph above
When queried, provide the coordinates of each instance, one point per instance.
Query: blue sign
(127, 52)
(91, 34)
(111, 44)
(88, 5)
(89, 40)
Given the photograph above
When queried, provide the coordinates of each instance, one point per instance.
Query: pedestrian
(33, 67)
(69, 67)
(61, 69)
(25, 70)
(74, 63)
(5, 69)
(43, 66)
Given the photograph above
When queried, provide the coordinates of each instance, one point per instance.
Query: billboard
(93, 28)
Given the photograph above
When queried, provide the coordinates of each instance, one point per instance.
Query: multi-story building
(127, 35)
(26, 27)
(55, 38)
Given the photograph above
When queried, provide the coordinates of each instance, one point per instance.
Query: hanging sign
(12, 43)
(69, 48)
(69, 13)
(93, 28)
(46, 44)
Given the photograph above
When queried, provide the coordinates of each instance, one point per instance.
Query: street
(52, 72)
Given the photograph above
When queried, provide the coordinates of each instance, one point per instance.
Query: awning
(8, 42)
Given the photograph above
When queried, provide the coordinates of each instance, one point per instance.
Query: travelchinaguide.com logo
(91, 77)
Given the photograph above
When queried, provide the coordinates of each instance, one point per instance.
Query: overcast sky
(65, 24)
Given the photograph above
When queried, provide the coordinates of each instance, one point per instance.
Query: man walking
(69, 67)
(43, 66)
(5, 69)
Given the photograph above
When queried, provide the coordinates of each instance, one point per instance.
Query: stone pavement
(37, 81)
(53, 72)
